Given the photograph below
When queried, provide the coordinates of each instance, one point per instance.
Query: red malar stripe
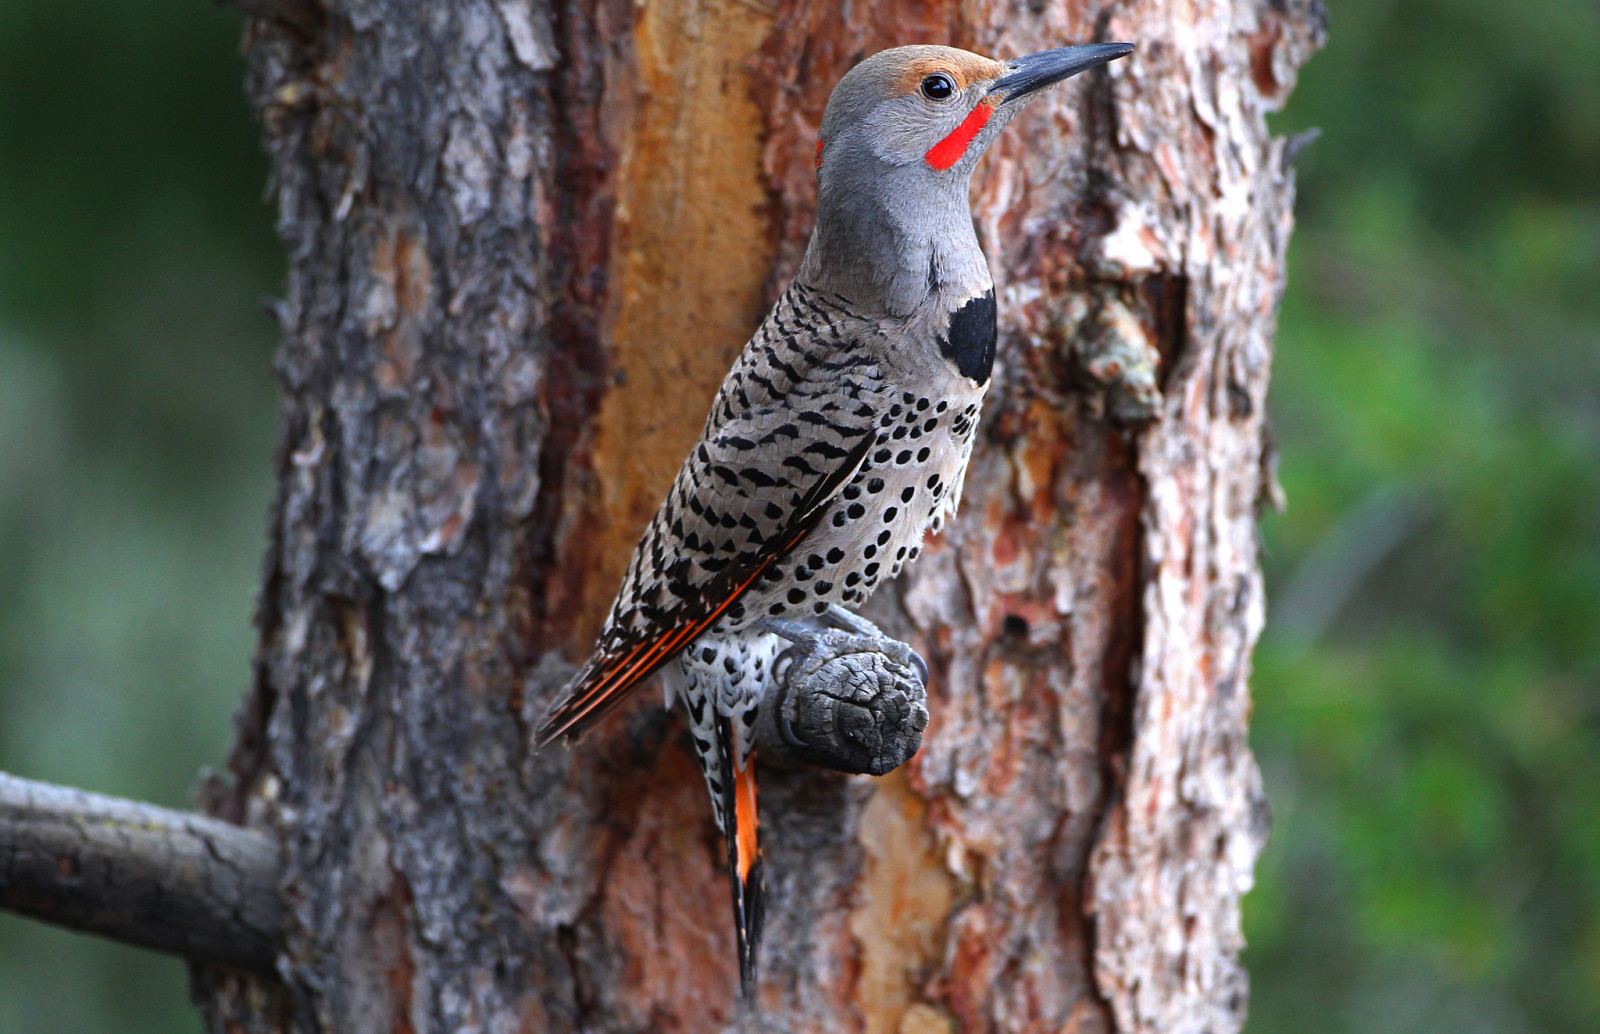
(948, 151)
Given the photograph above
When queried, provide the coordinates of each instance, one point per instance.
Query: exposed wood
(185, 884)
(846, 698)
(523, 243)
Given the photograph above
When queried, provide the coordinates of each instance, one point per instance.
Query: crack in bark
(504, 158)
(178, 883)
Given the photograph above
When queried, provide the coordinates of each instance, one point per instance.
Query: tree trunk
(525, 243)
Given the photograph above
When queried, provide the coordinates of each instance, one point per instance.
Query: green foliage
(136, 425)
(1428, 690)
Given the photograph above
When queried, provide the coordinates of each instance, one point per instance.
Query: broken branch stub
(849, 699)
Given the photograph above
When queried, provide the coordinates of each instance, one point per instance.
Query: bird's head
(899, 140)
(936, 108)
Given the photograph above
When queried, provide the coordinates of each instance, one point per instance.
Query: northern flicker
(842, 433)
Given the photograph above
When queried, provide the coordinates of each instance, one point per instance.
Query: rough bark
(160, 879)
(844, 697)
(524, 244)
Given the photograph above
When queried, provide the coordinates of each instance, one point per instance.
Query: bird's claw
(844, 696)
(790, 630)
(837, 617)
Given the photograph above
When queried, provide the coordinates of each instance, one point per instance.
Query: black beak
(1033, 73)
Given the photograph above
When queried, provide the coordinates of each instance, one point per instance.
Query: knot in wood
(850, 701)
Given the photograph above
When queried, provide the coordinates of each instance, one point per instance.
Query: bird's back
(824, 460)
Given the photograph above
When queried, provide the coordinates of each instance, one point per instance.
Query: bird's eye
(938, 87)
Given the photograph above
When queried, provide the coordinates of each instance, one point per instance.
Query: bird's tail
(742, 830)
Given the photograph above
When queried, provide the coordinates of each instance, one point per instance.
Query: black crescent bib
(972, 334)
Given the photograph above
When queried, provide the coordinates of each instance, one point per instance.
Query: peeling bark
(524, 243)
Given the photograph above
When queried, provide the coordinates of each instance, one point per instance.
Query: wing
(752, 489)
(626, 657)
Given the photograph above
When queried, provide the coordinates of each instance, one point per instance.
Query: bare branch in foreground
(162, 879)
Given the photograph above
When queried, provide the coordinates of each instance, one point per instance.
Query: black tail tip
(544, 736)
(749, 909)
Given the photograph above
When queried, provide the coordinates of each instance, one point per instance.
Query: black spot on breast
(970, 344)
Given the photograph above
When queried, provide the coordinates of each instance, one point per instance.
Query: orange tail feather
(744, 856)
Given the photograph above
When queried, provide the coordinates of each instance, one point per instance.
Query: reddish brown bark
(525, 243)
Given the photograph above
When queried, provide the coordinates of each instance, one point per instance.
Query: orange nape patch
(948, 151)
(962, 66)
(744, 807)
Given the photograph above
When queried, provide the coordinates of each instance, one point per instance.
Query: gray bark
(843, 697)
(160, 879)
(524, 243)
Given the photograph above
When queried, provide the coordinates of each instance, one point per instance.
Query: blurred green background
(137, 421)
(1428, 692)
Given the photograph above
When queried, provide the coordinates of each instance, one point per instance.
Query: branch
(180, 883)
(845, 697)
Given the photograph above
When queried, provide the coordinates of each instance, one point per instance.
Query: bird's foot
(845, 697)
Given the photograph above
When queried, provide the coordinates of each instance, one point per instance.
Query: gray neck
(894, 239)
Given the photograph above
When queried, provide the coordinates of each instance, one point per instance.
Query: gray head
(900, 138)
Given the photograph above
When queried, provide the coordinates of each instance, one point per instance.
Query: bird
(841, 435)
